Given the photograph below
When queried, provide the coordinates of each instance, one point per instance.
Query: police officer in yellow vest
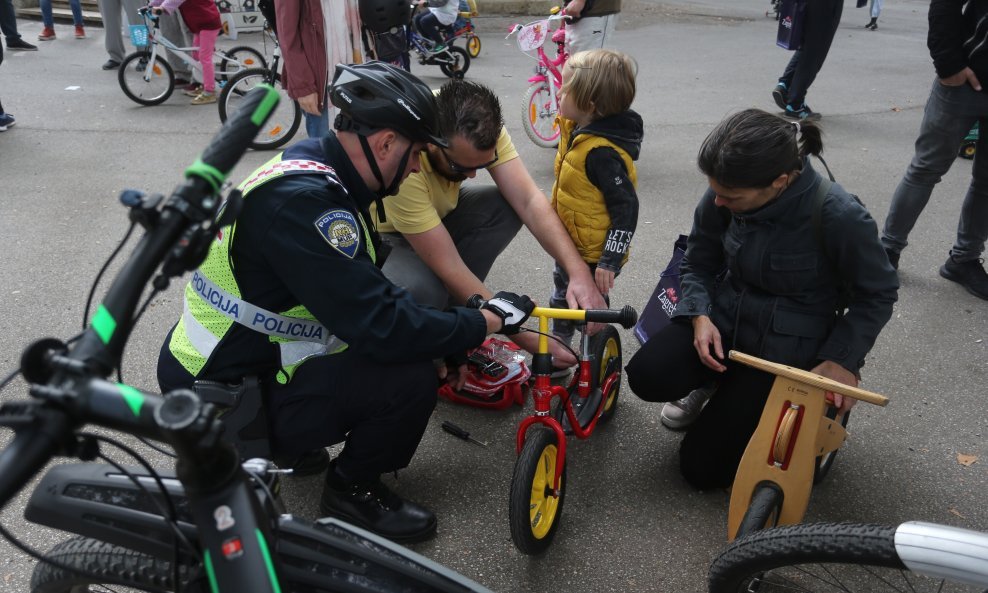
(293, 294)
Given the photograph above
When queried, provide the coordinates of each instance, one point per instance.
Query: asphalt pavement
(630, 522)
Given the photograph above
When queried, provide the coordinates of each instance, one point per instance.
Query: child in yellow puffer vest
(595, 191)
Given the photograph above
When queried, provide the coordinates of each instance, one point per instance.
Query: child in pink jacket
(203, 19)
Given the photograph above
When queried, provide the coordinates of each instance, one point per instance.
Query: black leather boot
(374, 507)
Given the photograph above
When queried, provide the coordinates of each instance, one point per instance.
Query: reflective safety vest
(213, 303)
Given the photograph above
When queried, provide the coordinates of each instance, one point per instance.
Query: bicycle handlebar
(626, 317)
(809, 378)
(74, 394)
(233, 139)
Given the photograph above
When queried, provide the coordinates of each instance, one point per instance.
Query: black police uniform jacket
(778, 296)
(282, 258)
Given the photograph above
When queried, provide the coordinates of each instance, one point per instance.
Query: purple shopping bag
(791, 20)
(662, 303)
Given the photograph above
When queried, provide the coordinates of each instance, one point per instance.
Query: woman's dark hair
(752, 148)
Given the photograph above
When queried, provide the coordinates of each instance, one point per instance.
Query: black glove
(513, 310)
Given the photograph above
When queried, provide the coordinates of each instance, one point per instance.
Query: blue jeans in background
(950, 114)
(316, 126)
(49, 21)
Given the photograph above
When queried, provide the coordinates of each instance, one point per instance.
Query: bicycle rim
(534, 512)
(146, 82)
(539, 116)
(473, 46)
(606, 349)
(822, 558)
(283, 123)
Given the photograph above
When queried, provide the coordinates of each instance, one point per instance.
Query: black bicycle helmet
(377, 95)
(382, 15)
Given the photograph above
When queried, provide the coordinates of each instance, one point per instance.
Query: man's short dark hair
(471, 110)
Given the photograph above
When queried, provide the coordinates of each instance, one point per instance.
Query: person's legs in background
(8, 26)
(205, 40)
(6, 120)
(946, 120)
(48, 20)
(822, 19)
(173, 27)
(428, 26)
(876, 9)
(110, 10)
(590, 32)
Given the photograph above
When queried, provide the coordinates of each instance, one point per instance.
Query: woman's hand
(832, 370)
(310, 103)
(706, 340)
(574, 8)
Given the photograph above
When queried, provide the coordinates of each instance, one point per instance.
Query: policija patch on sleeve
(339, 229)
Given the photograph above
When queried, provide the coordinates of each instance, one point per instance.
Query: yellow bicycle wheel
(473, 46)
(605, 347)
(535, 508)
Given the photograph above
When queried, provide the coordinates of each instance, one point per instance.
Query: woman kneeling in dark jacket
(767, 267)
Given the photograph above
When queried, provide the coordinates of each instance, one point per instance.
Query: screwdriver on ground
(460, 433)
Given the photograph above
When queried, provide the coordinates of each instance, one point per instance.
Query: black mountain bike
(215, 524)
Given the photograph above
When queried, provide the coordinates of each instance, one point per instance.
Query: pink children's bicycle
(541, 104)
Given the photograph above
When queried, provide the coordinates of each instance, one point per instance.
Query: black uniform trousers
(822, 18)
(667, 368)
(380, 410)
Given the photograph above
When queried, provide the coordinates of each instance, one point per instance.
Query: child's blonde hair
(601, 81)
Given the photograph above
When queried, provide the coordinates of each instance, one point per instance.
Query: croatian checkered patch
(339, 229)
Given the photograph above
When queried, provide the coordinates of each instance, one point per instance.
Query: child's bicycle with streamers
(214, 524)
(538, 483)
(541, 103)
(148, 79)
(792, 449)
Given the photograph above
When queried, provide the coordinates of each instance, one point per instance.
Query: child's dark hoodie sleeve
(605, 169)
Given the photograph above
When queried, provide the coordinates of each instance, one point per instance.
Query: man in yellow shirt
(445, 237)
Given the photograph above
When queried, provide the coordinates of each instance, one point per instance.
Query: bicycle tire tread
(100, 560)
(849, 543)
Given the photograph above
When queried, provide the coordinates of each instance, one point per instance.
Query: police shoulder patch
(339, 229)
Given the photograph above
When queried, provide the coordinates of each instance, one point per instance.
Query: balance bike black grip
(626, 317)
(234, 138)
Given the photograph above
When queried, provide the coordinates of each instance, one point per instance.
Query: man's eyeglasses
(458, 168)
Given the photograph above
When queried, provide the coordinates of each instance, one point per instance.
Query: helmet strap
(389, 189)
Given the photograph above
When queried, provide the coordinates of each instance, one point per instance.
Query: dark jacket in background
(779, 296)
(955, 38)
